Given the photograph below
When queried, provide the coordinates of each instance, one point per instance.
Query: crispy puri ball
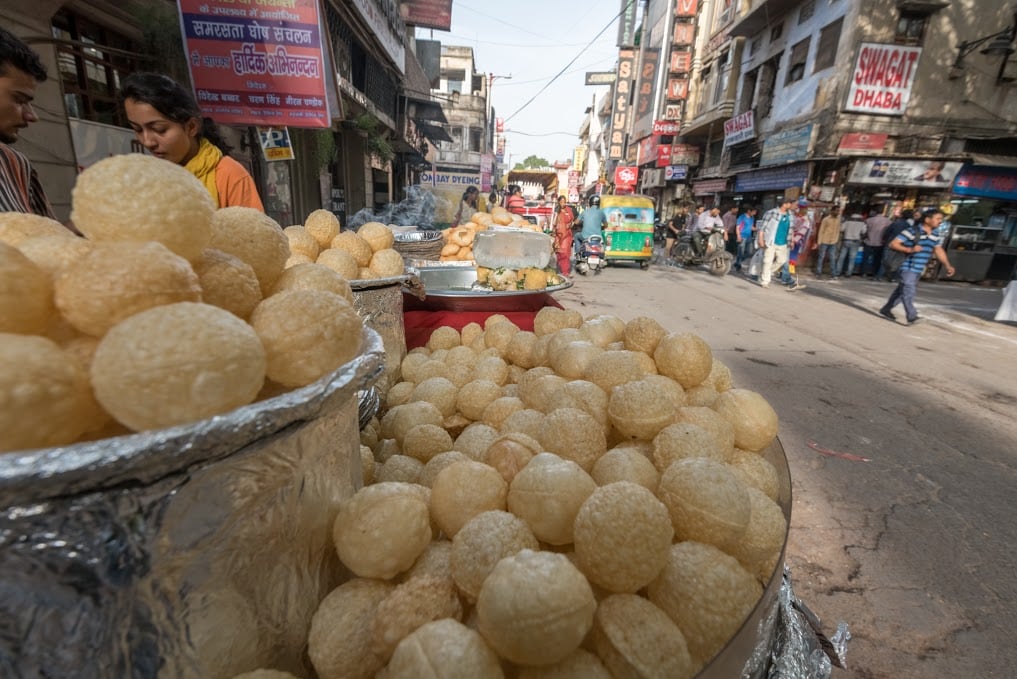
(637, 410)
(463, 490)
(340, 261)
(634, 638)
(399, 393)
(135, 197)
(707, 594)
(323, 227)
(510, 452)
(510, 389)
(44, 394)
(625, 464)
(298, 258)
(515, 373)
(562, 338)
(613, 368)
(580, 664)
(400, 419)
(443, 649)
(53, 254)
(475, 396)
(254, 237)
(350, 242)
(643, 334)
(542, 393)
(574, 359)
(498, 335)
(547, 494)
(301, 242)
(527, 350)
(575, 435)
(683, 440)
(720, 376)
(364, 273)
(313, 277)
(528, 377)
(444, 337)
(600, 331)
(753, 419)
(437, 463)
(755, 471)
(307, 334)
(435, 561)
(384, 449)
(377, 235)
(382, 530)
(622, 537)
(227, 282)
(684, 357)
(411, 363)
(667, 387)
(400, 468)
(432, 367)
(550, 320)
(475, 439)
(175, 364)
(590, 398)
(645, 361)
(759, 549)
(339, 641)
(526, 421)
(387, 263)
(711, 421)
(461, 354)
(367, 465)
(470, 332)
(485, 540)
(491, 368)
(412, 604)
(702, 395)
(499, 409)
(707, 502)
(17, 227)
(437, 390)
(424, 441)
(535, 608)
(26, 294)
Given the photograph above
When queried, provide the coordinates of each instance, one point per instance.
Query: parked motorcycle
(591, 256)
(717, 259)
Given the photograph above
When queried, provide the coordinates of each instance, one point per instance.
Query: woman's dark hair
(471, 191)
(167, 97)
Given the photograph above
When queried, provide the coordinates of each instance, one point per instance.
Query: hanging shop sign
(917, 173)
(787, 146)
(861, 142)
(772, 179)
(665, 127)
(276, 143)
(674, 173)
(681, 61)
(625, 178)
(677, 88)
(684, 154)
(686, 8)
(987, 182)
(684, 34)
(648, 150)
(254, 66)
(435, 14)
(600, 77)
(674, 112)
(627, 24)
(882, 79)
(740, 128)
(709, 186)
(620, 108)
(663, 155)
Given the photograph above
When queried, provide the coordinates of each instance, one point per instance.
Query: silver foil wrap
(195, 551)
(379, 302)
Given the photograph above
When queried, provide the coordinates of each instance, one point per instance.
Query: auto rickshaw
(628, 235)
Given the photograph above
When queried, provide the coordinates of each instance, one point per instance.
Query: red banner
(666, 127)
(663, 155)
(862, 141)
(685, 8)
(255, 66)
(427, 13)
(625, 178)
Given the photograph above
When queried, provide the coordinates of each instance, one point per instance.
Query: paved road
(912, 547)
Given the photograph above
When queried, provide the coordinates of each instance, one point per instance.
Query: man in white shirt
(707, 222)
(854, 230)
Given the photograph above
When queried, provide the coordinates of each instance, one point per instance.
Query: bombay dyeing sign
(882, 79)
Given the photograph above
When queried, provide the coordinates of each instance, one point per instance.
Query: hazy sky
(532, 40)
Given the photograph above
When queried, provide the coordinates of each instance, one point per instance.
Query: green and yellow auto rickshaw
(628, 235)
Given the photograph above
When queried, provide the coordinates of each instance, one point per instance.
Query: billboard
(882, 79)
(256, 66)
(917, 173)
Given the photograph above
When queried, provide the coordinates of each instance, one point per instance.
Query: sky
(532, 40)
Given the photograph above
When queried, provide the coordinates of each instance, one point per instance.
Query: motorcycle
(591, 256)
(717, 259)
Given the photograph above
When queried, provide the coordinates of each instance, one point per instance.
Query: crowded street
(900, 441)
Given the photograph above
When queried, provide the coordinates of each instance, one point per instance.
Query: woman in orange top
(515, 202)
(563, 219)
(167, 122)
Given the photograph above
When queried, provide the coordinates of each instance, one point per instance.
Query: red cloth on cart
(421, 323)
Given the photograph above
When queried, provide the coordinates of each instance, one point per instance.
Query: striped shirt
(916, 261)
(20, 189)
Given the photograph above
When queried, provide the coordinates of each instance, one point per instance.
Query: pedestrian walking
(853, 230)
(563, 220)
(919, 243)
(872, 245)
(827, 240)
(467, 206)
(746, 230)
(730, 220)
(774, 235)
(892, 259)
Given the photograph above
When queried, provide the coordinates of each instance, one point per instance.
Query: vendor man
(20, 72)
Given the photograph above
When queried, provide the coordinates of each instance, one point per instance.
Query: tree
(532, 162)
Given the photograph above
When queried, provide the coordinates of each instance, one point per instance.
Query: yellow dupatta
(203, 165)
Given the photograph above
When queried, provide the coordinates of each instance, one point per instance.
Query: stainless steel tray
(454, 288)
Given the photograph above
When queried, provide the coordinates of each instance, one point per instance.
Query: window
(725, 9)
(723, 70)
(910, 29)
(748, 91)
(704, 83)
(806, 12)
(476, 135)
(776, 32)
(767, 84)
(796, 63)
(91, 70)
(826, 48)
(754, 46)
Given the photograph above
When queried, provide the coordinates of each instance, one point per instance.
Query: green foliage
(377, 143)
(532, 163)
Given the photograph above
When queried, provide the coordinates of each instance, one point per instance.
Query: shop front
(707, 191)
(982, 243)
(766, 187)
(904, 183)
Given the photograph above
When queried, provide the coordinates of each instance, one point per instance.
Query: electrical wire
(574, 70)
(460, 5)
(561, 72)
(540, 134)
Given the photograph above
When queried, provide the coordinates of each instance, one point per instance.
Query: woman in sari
(563, 218)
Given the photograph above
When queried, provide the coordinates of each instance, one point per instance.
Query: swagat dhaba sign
(882, 79)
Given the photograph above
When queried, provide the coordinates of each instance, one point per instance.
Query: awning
(434, 133)
(424, 110)
(993, 161)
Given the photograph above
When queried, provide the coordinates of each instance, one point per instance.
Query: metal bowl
(455, 288)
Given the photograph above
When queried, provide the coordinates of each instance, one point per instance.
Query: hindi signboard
(257, 65)
(882, 79)
(741, 127)
(435, 14)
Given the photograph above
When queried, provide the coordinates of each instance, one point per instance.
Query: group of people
(164, 116)
(839, 240)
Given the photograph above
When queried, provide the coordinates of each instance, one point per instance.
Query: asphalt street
(901, 445)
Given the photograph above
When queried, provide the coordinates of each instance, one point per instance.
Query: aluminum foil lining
(800, 648)
(379, 303)
(195, 551)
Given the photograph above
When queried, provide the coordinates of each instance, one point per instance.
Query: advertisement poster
(882, 79)
(257, 63)
(917, 173)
